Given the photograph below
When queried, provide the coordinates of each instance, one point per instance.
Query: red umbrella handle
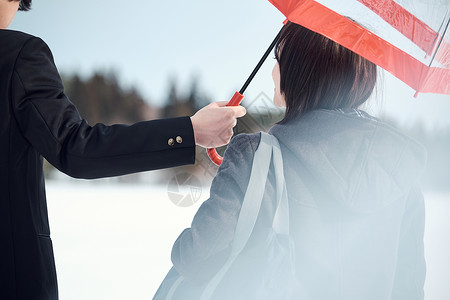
(212, 153)
(238, 96)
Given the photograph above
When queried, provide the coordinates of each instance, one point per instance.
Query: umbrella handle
(238, 96)
(212, 153)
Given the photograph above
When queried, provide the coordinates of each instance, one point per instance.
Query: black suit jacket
(38, 120)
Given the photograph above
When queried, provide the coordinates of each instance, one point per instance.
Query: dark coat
(356, 213)
(38, 120)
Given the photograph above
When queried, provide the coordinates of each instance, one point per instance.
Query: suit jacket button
(179, 139)
(171, 142)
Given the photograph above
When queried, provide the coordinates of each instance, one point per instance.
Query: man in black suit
(38, 120)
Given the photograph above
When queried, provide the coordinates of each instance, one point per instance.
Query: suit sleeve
(203, 248)
(53, 126)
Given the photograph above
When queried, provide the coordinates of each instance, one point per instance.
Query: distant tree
(196, 98)
(183, 105)
(101, 99)
(172, 102)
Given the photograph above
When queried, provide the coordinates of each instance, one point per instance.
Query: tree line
(101, 99)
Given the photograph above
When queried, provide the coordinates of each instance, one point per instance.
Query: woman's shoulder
(241, 149)
(245, 140)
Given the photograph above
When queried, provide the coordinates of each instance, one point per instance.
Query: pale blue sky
(220, 42)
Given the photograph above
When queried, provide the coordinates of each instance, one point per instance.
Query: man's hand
(213, 124)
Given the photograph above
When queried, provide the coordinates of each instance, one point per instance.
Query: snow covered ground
(114, 241)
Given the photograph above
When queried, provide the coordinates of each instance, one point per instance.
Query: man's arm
(53, 126)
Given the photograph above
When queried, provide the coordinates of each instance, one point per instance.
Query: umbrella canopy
(408, 38)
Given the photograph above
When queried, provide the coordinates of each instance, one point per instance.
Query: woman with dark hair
(356, 212)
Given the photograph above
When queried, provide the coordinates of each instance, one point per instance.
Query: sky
(149, 43)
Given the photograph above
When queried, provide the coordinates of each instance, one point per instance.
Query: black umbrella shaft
(260, 63)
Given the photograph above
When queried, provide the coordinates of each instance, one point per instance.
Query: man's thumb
(239, 111)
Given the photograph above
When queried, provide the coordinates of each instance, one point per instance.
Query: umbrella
(408, 38)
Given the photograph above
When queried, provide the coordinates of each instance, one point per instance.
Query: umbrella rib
(440, 42)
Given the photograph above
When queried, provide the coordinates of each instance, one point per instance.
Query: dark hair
(24, 4)
(316, 72)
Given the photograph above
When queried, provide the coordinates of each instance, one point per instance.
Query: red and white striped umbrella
(408, 38)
